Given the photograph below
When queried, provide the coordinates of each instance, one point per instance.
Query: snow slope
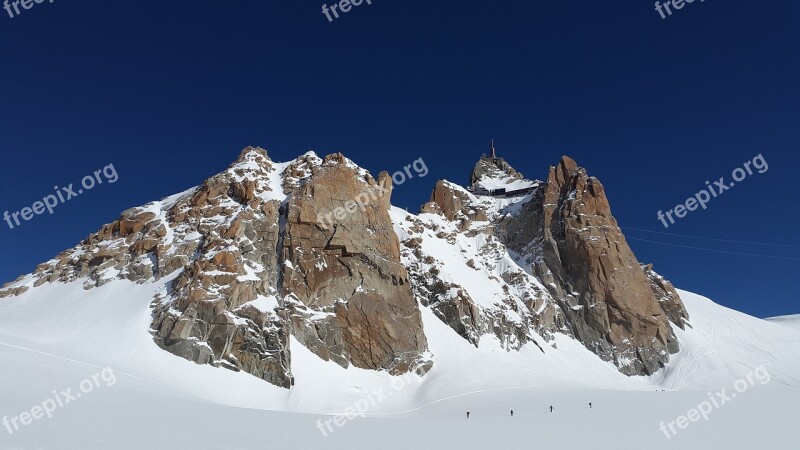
(789, 321)
(57, 335)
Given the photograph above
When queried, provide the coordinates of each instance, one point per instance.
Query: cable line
(711, 239)
(714, 250)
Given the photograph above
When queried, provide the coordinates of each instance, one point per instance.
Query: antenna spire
(493, 151)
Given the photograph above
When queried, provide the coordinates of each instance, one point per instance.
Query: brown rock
(342, 257)
(134, 224)
(615, 312)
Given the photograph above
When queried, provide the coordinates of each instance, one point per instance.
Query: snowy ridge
(789, 321)
(452, 260)
(489, 350)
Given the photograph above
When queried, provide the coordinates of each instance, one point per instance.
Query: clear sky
(169, 92)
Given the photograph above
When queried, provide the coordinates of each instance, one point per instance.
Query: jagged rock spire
(492, 166)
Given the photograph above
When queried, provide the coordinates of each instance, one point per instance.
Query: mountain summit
(561, 262)
(311, 251)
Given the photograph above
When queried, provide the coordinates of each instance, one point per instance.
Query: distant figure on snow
(590, 405)
(467, 414)
(512, 413)
(551, 408)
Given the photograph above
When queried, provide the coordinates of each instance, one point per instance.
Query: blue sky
(170, 92)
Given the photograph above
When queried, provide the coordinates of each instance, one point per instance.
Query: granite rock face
(342, 264)
(492, 167)
(611, 305)
(220, 309)
(313, 249)
(247, 260)
(561, 232)
(500, 300)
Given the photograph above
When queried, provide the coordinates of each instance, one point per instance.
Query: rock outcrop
(221, 308)
(562, 232)
(493, 167)
(313, 249)
(342, 263)
(606, 294)
(246, 261)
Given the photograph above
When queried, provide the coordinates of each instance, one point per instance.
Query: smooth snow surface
(789, 321)
(55, 336)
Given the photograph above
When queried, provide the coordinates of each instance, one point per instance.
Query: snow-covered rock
(312, 249)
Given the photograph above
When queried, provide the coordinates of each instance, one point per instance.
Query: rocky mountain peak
(246, 261)
(251, 154)
(492, 168)
(564, 170)
(313, 249)
(562, 232)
